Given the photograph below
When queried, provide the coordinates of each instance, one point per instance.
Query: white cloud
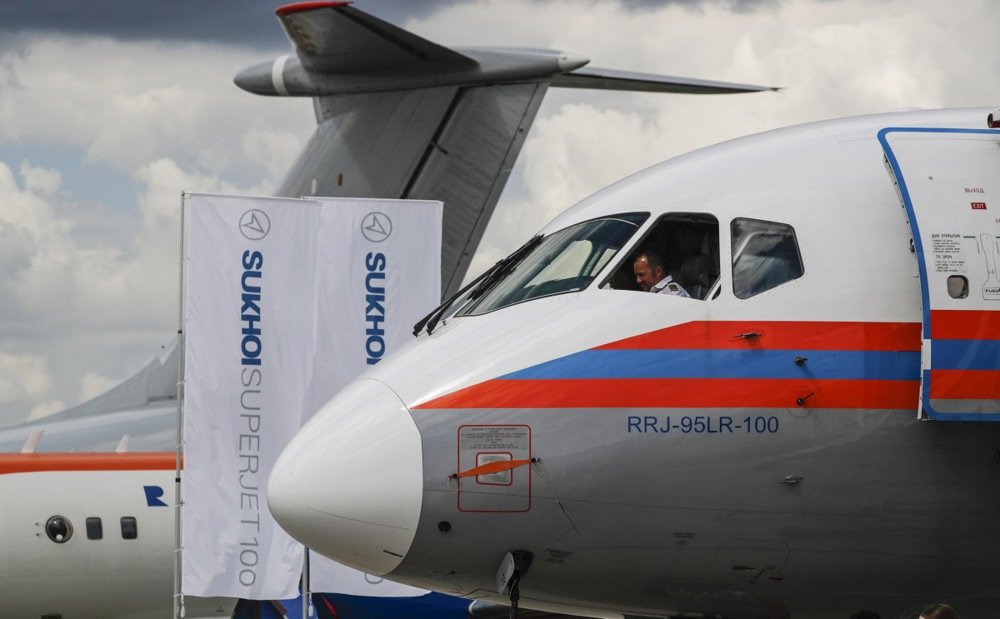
(23, 378)
(89, 285)
(131, 103)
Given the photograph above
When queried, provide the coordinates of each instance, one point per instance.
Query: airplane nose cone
(349, 485)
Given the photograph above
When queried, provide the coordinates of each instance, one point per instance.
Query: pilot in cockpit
(652, 277)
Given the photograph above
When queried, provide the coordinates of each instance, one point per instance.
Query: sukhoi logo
(376, 227)
(255, 224)
(250, 286)
(375, 267)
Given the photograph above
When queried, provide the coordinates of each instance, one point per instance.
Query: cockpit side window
(686, 246)
(765, 255)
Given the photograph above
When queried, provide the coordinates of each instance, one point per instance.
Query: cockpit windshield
(564, 261)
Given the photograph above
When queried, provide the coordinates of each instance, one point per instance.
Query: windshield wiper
(431, 320)
(502, 268)
(479, 286)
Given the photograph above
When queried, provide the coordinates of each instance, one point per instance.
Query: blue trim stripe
(714, 363)
(965, 354)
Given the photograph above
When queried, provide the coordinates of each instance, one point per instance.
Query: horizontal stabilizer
(610, 79)
(331, 37)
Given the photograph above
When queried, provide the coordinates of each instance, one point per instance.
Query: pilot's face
(645, 276)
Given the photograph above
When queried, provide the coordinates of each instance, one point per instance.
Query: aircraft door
(949, 183)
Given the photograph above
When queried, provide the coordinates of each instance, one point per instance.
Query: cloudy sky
(109, 109)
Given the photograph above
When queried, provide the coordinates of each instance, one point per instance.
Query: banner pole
(178, 605)
(306, 600)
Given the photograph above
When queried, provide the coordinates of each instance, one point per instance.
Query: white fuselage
(755, 453)
(125, 570)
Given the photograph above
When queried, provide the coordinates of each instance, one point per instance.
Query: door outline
(926, 306)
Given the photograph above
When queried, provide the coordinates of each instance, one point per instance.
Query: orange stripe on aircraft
(965, 384)
(965, 325)
(491, 467)
(875, 336)
(41, 462)
(682, 393)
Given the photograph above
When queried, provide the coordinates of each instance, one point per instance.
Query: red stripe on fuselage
(892, 336)
(682, 393)
(965, 385)
(965, 325)
(41, 462)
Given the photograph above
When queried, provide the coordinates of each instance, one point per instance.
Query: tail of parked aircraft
(398, 117)
(402, 117)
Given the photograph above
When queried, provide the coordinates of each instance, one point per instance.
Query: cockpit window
(679, 256)
(765, 255)
(564, 261)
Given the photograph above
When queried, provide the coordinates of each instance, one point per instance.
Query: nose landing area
(350, 484)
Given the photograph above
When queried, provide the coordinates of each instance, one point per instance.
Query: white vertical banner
(389, 277)
(392, 248)
(285, 301)
(249, 291)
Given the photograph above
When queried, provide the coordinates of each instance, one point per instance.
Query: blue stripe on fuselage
(965, 354)
(819, 364)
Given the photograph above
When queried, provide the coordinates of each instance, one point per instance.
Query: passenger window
(59, 529)
(765, 255)
(685, 246)
(130, 529)
(958, 286)
(95, 529)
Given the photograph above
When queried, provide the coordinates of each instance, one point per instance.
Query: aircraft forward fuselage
(752, 450)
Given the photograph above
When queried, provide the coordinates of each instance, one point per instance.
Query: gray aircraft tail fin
(402, 117)
(454, 144)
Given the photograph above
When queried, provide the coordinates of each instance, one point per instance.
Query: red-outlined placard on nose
(497, 458)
